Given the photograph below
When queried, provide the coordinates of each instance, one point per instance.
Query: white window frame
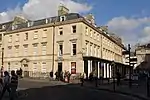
(17, 37)
(73, 28)
(61, 18)
(10, 39)
(86, 30)
(9, 51)
(35, 49)
(43, 67)
(44, 48)
(59, 51)
(35, 35)
(72, 48)
(87, 49)
(44, 35)
(26, 36)
(91, 34)
(91, 49)
(17, 50)
(25, 50)
(35, 67)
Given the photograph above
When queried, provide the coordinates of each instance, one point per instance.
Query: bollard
(148, 92)
(96, 82)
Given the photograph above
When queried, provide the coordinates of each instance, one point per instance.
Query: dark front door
(59, 67)
(26, 70)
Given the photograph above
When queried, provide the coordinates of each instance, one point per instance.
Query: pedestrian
(118, 76)
(56, 74)
(20, 73)
(68, 76)
(6, 84)
(13, 84)
(82, 78)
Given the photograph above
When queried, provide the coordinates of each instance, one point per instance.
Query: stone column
(105, 70)
(108, 72)
(89, 67)
(98, 69)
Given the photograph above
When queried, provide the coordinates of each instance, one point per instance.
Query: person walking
(118, 76)
(6, 84)
(13, 85)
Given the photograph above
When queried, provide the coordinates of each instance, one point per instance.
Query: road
(36, 90)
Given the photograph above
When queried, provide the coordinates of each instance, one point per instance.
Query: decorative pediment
(24, 60)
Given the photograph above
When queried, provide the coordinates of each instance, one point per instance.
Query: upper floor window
(26, 36)
(4, 26)
(44, 35)
(17, 37)
(86, 30)
(60, 49)
(0, 37)
(74, 49)
(35, 48)
(91, 33)
(98, 37)
(14, 27)
(17, 49)
(25, 49)
(74, 29)
(62, 18)
(10, 38)
(35, 35)
(60, 31)
(44, 46)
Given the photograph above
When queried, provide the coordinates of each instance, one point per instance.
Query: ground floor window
(73, 67)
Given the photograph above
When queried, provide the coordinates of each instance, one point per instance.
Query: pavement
(30, 89)
(138, 89)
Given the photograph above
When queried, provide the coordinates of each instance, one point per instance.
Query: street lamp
(129, 48)
(113, 66)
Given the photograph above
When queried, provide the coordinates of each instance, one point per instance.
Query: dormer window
(30, 24)
(62, 18)
(4, 26)
(14, 27)
(46, 21)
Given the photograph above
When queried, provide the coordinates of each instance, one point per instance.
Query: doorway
(60, 67)
(26, 70)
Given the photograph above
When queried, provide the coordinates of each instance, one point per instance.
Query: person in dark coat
(6, 84)
(20, 72)
(118, 76)
(13, 84)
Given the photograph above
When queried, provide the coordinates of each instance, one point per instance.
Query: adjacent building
(143, 56)
(68, 42)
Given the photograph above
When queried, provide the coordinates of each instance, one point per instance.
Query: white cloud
(131, 30)
(36, 9)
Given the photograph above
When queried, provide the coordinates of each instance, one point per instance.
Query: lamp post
(129, 48)
(2, 62)
(113, 66)
(9, 67)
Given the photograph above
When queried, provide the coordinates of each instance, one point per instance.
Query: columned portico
(102, 67)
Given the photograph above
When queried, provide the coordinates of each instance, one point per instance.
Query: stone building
(143, 56)
(68, 42)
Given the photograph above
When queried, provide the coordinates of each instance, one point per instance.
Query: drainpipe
(2, 67)
(53, 58)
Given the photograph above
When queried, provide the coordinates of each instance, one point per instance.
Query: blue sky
(127, 18)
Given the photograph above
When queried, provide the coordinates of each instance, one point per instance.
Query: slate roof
(69, 16)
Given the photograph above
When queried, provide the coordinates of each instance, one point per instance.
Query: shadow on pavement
(69, 92)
